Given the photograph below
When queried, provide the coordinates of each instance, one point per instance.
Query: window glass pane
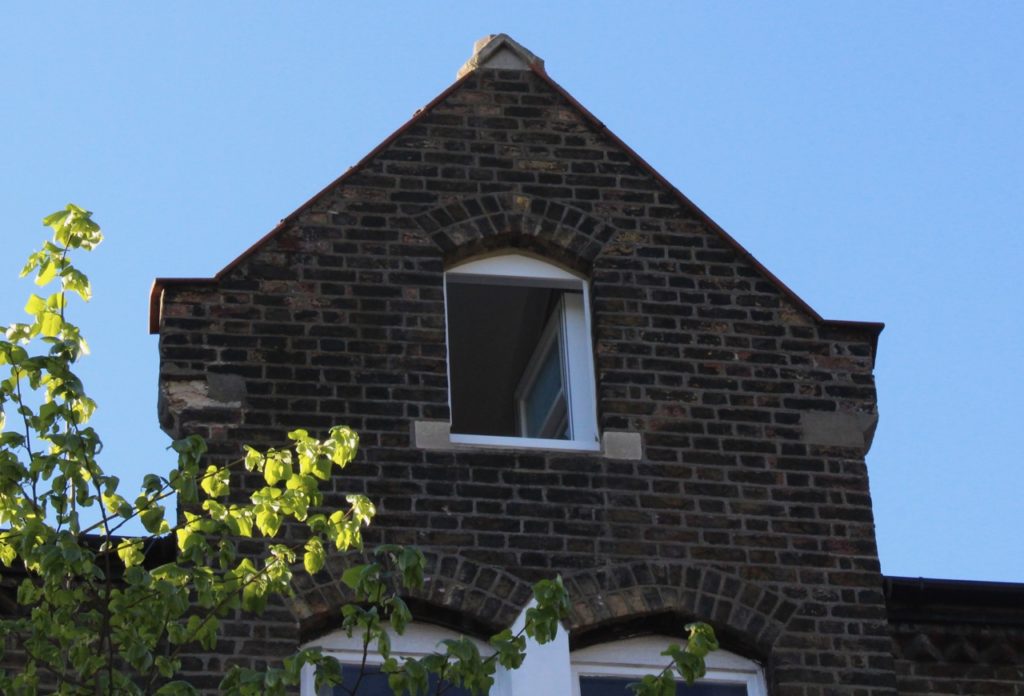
(375, 683)
(616, 686)
(545, 398)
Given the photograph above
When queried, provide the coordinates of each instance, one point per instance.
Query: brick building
(558, 364)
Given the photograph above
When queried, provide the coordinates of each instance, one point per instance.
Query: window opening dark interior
(617, 686)
(375, 683)
(494, 329)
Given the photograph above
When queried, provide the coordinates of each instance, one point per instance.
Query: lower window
(375, 683)
(418, 640)
(607, 669)
(619, 686)
(549, 670)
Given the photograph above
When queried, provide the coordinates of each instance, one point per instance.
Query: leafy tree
(99, 615)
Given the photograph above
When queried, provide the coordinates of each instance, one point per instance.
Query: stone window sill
(436, 435)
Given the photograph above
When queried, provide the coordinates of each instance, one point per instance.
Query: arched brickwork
(476, 599)
(472, 226)
(456, 592)
(745, 615)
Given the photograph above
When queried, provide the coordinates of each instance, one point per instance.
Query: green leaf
(7, 553)
(253, 458)
(35, 304)
(243, 517)
(321, 468)
(216, 481)
(176, 688)
(268, 522)
(362, 509)
(50, 324)
(314, 558)
(411, 562)
(701, 639)
(117, 505)
(342, 444)
(277, 469)
(153, 520)
(253, 598)
(56, 220)
(130, 552)
(46, 273)
(353, 575)
(400, 614)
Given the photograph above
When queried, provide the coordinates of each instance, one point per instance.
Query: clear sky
(870, 154)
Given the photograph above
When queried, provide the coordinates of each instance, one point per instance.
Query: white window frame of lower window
(635, 657)
(521, 270)
(549, 669)
(545, 671)
(418, 640)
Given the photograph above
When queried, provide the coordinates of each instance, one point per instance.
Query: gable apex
(500, 51)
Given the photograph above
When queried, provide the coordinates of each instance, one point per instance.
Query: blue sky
(870, 155)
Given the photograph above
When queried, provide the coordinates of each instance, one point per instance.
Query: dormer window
(520, 363)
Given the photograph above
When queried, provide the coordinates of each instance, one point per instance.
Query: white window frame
(549, 669)
(635, 657)
(418, 640)
(527, 271)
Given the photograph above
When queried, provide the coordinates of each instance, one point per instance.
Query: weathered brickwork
(957, 638)
(737, 513)
(945, 660)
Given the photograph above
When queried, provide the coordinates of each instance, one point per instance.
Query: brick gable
(749, 506)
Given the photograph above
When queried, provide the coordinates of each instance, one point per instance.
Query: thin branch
(164, 494)
(61, 674)
(28, 440)
(213, 611)
(63, 292)
(105, 636)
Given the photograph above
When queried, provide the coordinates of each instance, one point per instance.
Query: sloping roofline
(934, 600)
(873, 329)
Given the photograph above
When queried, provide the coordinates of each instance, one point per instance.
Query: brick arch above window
(457, 593)
(482, 224)
(653, 593)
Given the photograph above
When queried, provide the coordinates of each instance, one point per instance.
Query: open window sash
(542, 399)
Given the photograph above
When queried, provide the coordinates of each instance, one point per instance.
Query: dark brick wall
(943, 659)
(736, 513)
(956, 637)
